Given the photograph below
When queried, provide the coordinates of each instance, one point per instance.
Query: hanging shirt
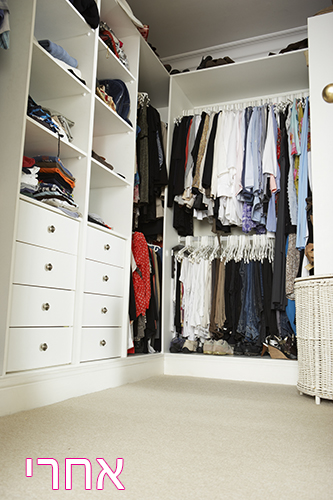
(302, 227)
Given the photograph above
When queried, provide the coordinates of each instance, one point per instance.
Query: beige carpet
(181, 438)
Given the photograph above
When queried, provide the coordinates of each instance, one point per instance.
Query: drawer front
(105, 247)
(34, 306)
(48, 229)
(101, 343)
(31, 348)
(104, 279)
(44, 267)
(102, 310)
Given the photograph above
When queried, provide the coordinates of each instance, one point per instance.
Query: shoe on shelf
(204, 61)
(239, 348)
(189, 346)
(208, 347)
(176, 344)
(200, 347)
(250, 349)
(274, 347)
(222, 347)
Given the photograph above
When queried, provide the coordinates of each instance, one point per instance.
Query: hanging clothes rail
(255, 247)
(284, 98)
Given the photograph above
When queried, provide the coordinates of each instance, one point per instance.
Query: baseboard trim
(25, 391)
(28, 390)
(238, 368)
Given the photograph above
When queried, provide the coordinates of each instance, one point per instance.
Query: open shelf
(102, 177)
(41, 141)
(271, 75)
(107, 121)
(109, 66)
(57, 24)
(49, 80)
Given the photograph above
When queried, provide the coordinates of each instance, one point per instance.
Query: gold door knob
(103, 343)
(107, 246)
(48, 267)
(104, 310)
(327, 93)
(46, 306)
(43, 347)
(106, 278)
(51, 229)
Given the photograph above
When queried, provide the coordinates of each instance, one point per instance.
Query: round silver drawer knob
(51, 229)
(104, 310)
(106, 278)
(103, 343)
(46, 306)
(43, 347)
(107, 246)
(48, 267)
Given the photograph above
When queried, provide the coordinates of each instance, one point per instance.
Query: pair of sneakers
(219, 347)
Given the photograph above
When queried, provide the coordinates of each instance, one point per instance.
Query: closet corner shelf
(153, 77)
(107, 121)
(102, 176)
(277, 74)
(106, 230)
(46, 206)
(57, 22)
(41, 141)
(49, 80)
(109, 66)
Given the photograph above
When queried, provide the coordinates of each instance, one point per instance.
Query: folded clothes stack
(56, 185)
(29, 177)
(67, 61)
(41, 116)
(51, 119)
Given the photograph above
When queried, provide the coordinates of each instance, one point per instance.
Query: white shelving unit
(64, 321)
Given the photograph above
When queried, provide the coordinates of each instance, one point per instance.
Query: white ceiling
(180, 26)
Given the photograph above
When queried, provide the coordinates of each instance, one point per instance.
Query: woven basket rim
(313, 278)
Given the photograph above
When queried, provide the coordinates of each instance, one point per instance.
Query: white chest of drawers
(103, 303)
(43, 290)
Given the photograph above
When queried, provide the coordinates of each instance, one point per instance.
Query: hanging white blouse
(269, 158)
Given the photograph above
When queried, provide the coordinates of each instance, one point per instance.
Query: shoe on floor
(222, 347)
(190, 346)
(208, 347)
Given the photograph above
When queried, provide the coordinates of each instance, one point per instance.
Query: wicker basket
(314, 322)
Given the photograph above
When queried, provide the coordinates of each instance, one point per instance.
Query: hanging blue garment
(302, 227)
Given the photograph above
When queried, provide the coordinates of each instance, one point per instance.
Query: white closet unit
(64, 280)
(209, 89)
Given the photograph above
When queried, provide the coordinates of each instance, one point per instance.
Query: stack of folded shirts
(29, 176)
(56, 185)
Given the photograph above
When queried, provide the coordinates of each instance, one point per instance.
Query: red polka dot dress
(141, 276)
